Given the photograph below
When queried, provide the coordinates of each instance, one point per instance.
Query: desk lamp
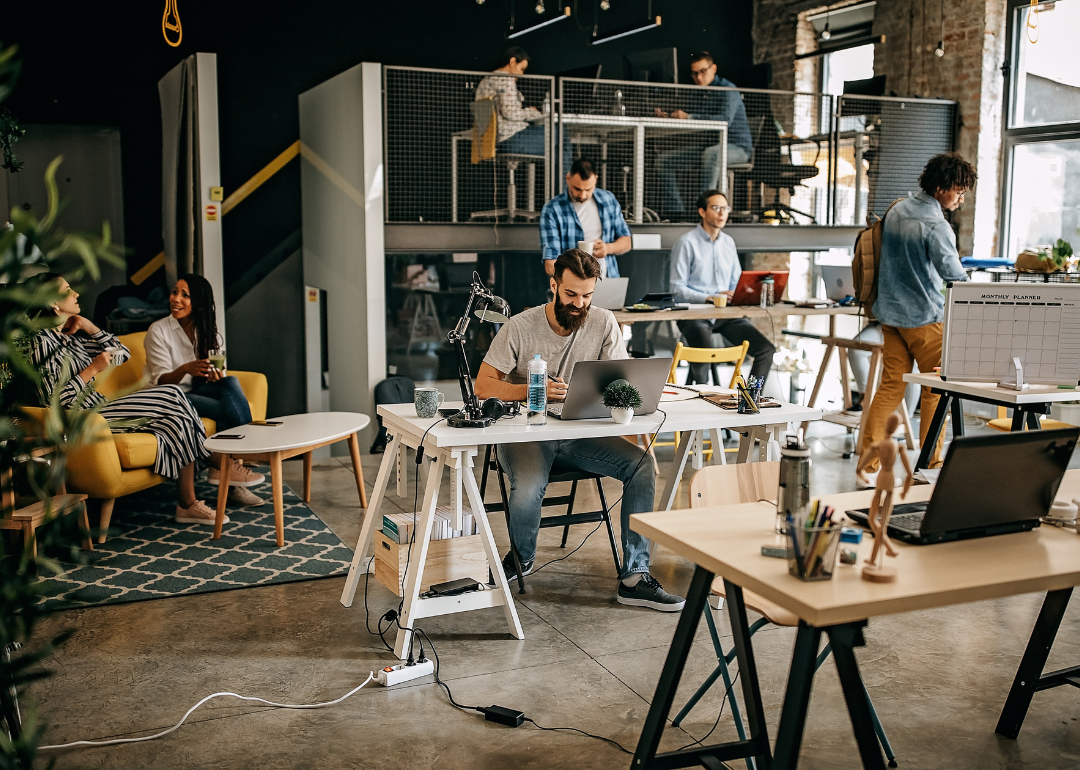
(487, 307)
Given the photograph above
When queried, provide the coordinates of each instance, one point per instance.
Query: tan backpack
(864, 265)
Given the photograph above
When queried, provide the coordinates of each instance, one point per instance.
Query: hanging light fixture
(826, 34)
(564, 15)
(539, 7)
(650, 22)
(940, 50)
(605, 5)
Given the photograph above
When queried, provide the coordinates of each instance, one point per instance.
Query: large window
(848, 64)
(1041, 201)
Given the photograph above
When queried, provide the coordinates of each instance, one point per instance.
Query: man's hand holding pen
(556, 388)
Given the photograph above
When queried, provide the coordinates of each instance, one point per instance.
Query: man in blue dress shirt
(705, 264)
(706, 104)
(583, 212)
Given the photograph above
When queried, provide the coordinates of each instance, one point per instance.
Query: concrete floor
(937, 678)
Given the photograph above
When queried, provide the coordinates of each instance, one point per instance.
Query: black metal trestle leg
(937, 424)
(844, 638)
(797, 698)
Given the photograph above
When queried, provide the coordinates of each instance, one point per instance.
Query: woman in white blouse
(178, 353)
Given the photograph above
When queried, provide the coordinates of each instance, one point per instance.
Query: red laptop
(748, 292)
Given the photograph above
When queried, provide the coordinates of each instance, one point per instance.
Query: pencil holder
(813, 555)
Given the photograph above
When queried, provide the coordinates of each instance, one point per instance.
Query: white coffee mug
(586, 246)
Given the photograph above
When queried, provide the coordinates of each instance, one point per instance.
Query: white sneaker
(869, 481)
(198, 513)
(240, 497)
(239, 475)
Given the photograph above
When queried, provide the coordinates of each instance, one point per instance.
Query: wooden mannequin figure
(881, 504)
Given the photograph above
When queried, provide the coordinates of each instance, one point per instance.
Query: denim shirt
(701, 267)
(918, 254)
(712, 104)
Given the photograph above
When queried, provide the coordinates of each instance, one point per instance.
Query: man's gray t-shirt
(529, 333)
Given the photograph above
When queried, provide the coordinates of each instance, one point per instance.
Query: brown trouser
(902, 347)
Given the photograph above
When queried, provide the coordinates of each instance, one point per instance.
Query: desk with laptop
(980, 527)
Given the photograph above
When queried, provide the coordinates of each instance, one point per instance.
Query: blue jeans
(528, 465)
(223, 402)
(708, 160)
(530, 141)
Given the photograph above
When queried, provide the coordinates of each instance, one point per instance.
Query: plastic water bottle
(793, 495)
(537, 407)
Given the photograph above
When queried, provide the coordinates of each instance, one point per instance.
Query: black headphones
(496, 409)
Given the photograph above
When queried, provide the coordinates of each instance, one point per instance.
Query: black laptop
(989, 485)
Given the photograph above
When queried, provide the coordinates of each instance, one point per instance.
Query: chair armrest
(93, 467)
(256, 389)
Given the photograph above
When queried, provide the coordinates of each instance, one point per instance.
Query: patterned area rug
(149, 556)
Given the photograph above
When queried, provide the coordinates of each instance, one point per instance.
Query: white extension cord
(204, 700)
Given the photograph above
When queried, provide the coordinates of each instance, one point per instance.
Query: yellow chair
(733, 355)
(112, 465)
(1004, 423)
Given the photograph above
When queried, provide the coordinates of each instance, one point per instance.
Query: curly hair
(948, 171)
(203, 313)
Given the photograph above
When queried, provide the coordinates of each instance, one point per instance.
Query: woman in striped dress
(71, 356)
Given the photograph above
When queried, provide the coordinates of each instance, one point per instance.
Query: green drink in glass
(217, 359)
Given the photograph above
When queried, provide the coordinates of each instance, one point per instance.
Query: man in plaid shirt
(582, 212)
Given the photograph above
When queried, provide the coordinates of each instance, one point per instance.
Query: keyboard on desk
(555, 410)
(906, 517)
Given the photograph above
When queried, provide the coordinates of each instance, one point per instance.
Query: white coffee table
(299, 434)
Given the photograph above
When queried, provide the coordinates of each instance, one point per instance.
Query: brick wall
(969, 73)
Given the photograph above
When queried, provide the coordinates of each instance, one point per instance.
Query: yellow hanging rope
(1033, 22)
(170, 21)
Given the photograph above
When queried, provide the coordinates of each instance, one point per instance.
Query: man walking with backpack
(918, 254)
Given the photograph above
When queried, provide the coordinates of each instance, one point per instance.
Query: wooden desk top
(1034, 394)
(696, 312)
(727, 540)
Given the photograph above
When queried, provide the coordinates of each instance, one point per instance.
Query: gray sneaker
(241, 497)
(649, 593)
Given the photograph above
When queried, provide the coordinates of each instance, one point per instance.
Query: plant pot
(622, 416)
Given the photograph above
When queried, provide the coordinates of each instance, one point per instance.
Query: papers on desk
(689, 392)
(929, 475)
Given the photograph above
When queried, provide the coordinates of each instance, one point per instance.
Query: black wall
(99, 65)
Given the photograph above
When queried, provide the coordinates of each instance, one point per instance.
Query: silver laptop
(838, 281)
(585, 394)
(610, 293)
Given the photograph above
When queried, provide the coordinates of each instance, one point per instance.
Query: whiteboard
(986, 324)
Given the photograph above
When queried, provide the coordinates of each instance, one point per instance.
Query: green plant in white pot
(622, 399)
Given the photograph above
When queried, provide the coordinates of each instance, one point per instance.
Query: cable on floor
(175, 727)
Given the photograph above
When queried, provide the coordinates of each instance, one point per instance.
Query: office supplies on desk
(585, 393)
(814, 539)
(989, 485)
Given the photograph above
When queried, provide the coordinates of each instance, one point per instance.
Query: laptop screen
(992, 480)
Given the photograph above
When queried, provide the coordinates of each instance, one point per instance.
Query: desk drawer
(450, 559)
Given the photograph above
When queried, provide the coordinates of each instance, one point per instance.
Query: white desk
(609, 126)
(456, 449)
(1027, 404)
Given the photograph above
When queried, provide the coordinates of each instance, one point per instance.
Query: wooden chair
(731, 485)
(713, 356)
(1003, 422)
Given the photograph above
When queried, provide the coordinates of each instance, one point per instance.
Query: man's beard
(569, 317)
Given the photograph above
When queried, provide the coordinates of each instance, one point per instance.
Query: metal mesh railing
(883, 143)
(657, 146)
(782, 156)
(429, 119)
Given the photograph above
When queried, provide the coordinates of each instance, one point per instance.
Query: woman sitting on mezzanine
(178, 353)
(72, 354)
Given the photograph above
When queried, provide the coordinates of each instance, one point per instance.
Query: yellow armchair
(131, 375)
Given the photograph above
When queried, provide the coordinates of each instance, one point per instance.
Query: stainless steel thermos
(794, 494)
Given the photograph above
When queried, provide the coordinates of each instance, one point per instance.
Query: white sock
(632, 581)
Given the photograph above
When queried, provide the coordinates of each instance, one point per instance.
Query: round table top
(296, 431)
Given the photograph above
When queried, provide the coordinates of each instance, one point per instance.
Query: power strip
(403, 672)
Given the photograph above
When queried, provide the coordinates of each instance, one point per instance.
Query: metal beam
(442, 238)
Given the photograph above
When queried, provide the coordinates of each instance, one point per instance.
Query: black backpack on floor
(392, 390)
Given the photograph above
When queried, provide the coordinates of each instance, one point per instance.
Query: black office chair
(768, 167)
(558, 474)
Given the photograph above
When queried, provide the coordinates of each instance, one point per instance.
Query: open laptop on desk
(839, 284)
(610, 293)
(989, 485)
(748, 291)
(585, 393)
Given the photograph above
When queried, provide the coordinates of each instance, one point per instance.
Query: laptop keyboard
(907, 522)
(555, 410)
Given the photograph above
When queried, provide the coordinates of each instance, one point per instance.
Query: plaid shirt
(560, 229)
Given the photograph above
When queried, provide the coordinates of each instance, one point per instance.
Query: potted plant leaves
(622, 399)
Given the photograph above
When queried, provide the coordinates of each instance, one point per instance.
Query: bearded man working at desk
(564, 332)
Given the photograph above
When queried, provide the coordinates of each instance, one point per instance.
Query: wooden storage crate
(450, 559)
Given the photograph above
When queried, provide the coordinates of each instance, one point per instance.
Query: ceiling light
(825, 33)
(539, 7)
(653, 22)
(564, 15)
(940, 50)
(605, 5)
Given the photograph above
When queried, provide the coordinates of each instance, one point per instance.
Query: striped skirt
(179, 431)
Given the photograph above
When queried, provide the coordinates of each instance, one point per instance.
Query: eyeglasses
(700, 71)
(718, 209)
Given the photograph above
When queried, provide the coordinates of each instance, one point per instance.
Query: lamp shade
(495, 311)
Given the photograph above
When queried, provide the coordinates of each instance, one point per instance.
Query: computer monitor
(660, 65)
(590, 72)
(874, 86)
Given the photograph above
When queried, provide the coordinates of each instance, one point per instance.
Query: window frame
(1012, 137)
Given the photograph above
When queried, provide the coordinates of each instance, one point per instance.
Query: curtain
(181, 218)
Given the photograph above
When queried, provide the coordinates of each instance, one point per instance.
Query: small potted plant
(622, 399)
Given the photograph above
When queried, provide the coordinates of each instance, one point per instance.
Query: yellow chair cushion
(136, 450)
(209, 426)
(1004, 424)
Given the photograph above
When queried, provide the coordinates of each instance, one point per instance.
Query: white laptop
(610, 293)
(838, 281)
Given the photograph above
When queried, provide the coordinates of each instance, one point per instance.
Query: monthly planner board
(987, 324)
